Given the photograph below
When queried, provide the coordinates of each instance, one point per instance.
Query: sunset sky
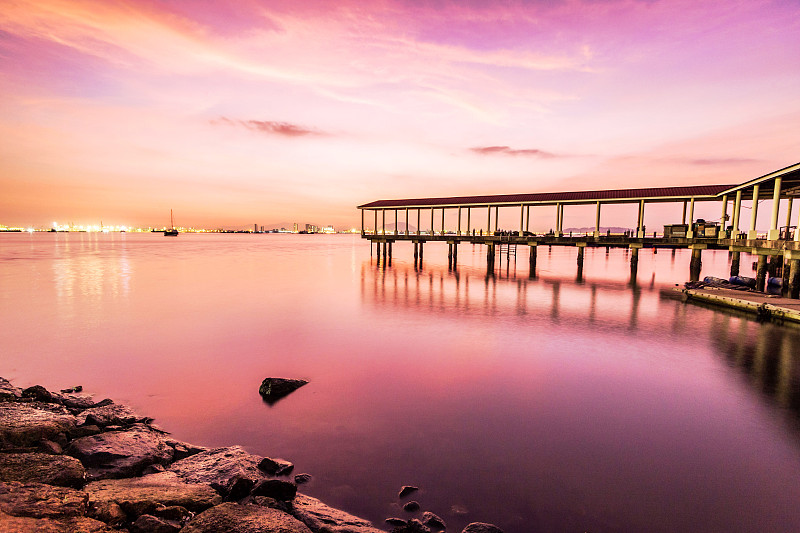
(240, 112)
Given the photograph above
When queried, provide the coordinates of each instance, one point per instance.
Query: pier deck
(760, 304)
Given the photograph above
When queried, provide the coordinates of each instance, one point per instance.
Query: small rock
(50, 447)
(219, 468)
(107, 511)
(275, 467)
(276, 488)
(238, 488)
(109, 415)
(396, 522)
(273, 389)
(413, 526)
(481, 527)
(38, 393)
(172, 512)
(249, 518)
(433, 521)
(316, 515)
(85, 431)
(301, 479)
(9, 391)
(152, 524)
(411, 507)
(406, 490)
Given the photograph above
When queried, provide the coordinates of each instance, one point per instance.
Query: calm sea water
(546, 404)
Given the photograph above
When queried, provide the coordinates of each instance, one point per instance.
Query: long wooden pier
(777, 246)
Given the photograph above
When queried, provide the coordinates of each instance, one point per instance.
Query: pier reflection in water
(631, 410)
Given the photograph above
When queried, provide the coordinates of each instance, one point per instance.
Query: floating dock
(762, 305)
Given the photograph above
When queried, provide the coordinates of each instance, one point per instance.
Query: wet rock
(481, 527)
(77, 388)
(108, 512)
(50, 447)
(396, 522)
(238, 488)
(9, 391)
(109, 415)
(27, 424)
(152, 524)
(413, 526)
(42, 468)
(119, 454)
(173, 512)
(302, 479)
(37, 500)
(273, 389)
(219, 468)
(406, 490)
(76, 402)
(411, 507)
(24, 524)
(85, 431)
(38, 393)
(275, 467)
(276, 488)
(316, 515)
(432, 521)
(248, 518)
(183, 449)
(147, 494)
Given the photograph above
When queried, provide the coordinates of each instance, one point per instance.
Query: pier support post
(421, 247)
(390, 253)
(696, 263)
(378, 250)
(751, 234)
(449, 255)
(774, 232)
(532, 259)
(735, 258)
(793, 257)
(761, 273)
(581, 247)
(416, 252)
(490, 256)
(737, 209)
(384, 254)
(455, 253)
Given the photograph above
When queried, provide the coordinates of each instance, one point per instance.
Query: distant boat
(171, 232)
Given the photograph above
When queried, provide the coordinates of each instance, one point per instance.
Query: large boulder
(146, 494)
(273, 389)
(249, 518)
(43, 468)
(38, 500)
(223, 469)
(28, 424)
(74, 524)
(317, 515)
(116, 454)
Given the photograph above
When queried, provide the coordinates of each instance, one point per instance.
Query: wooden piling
(761, 273)
(794, 278)
(735, 259)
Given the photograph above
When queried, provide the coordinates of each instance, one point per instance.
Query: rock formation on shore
(68, 464)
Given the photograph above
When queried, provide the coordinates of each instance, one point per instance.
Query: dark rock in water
(413, 526)
(301, 479)
(117, 454)
(27, 424)
(276, 488)
(248, 518)
(42, 468)
(275, 467)
(316, 515)
(481, 527)
(37, 500)
(238, 488)
(406, 490)
(273, 389)
(411, 507)
(38, 393)
(219, 468)
(433, 521)
(396, 522)
(149, 494)
(183, 449)
(77, 388)
(152, 524)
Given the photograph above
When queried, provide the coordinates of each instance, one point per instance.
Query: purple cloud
(270, 127)
(506, 150)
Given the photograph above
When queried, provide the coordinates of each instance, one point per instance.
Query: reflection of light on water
(90, 269)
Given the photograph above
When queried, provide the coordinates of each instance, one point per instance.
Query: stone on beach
(57, 470)
(116, 454)
(275, 467)
(38, 500)
(220, 468)
(27, 424)
(9, 391)
(247, 518)
(273, 389)
(109, 415)
(74, 524)
(432, 521)
(411, 507)
(316, 515)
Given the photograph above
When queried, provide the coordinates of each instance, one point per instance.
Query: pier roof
(653, 194)
(790, 183)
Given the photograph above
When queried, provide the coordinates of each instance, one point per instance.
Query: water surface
(562, 402)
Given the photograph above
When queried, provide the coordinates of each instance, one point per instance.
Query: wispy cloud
(507, 150)
(271, 127)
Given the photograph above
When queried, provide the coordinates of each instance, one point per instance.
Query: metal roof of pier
(653, 194)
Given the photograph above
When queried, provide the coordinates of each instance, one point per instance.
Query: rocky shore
(71, 464)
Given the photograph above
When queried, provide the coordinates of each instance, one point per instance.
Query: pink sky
(234, 113)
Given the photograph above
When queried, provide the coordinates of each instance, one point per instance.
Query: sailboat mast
(171, 222)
